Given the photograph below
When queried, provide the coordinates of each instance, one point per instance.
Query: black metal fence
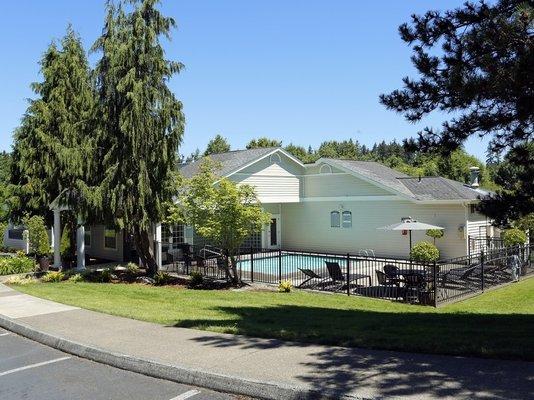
(380, 277)
(462, 277)
(478, 244)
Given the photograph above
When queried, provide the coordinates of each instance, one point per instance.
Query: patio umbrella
(409, 224)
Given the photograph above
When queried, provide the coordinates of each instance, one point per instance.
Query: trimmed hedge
(425, 252)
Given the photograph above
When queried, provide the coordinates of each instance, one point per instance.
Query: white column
(80, 245)
(57, 238)
(157, 238)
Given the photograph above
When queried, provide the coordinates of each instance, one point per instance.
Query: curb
(180, 374)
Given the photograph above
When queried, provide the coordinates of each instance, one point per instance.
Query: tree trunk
(144, 250)
(234, 276)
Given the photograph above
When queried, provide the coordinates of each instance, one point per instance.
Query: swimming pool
(290, 263)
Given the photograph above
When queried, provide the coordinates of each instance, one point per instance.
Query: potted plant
(38, 241)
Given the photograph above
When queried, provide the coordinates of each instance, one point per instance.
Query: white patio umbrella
(409, 224)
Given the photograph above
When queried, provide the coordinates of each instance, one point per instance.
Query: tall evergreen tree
(263, 142)
(55, 139)
(142, 121)
(475, 62)
(5, 168)
(218, 144)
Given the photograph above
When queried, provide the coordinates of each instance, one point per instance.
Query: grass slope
(496, 324)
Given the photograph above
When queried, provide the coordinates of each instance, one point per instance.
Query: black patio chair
(310, 274)
(415, 284)
(389, 287)
(334, 271)
(392, 275)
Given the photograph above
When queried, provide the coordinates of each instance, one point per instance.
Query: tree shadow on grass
(344, 370)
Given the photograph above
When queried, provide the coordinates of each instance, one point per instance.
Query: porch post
(57, 238)
(158, 245)
(80, 245)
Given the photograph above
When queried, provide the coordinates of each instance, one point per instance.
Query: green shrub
(3, 227)
(19, 264)
(514, 237)
(106, 275)
(424, 252)
(285, 286)
(17, 280)
(37, 236)
(76, 278)
(162, 278)
(435, 234)
(197, 279)
(53, 276)
(132, 268)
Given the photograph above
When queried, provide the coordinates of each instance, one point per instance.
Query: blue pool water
(290, 263)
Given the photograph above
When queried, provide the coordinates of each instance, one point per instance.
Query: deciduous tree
(221, 211)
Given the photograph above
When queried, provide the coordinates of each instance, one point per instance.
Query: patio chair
(334, 271)
(392, 275)
(390, 288)
(415, 284)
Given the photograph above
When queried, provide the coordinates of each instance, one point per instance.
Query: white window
(110, 238)
(334, 219)
(472, 208)
(173, 233)
(347, 219)
(87, 236)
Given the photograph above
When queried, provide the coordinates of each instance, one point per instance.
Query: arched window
(325, 169)
(347, 219)
(275, 158)
(334, 219)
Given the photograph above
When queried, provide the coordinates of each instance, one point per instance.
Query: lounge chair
(310, 274)
(334, 271)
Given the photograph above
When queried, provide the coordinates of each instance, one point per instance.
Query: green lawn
(498, 324)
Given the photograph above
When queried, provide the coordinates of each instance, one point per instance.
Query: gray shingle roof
(424, 188)
(439, 188)
(229, 161)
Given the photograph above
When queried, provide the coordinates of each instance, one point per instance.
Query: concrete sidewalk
(322, 370)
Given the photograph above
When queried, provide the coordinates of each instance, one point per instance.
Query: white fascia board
(352, 198)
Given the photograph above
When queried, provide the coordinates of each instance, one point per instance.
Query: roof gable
(373, 172)
(234, 161)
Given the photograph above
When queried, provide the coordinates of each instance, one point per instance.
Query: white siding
(478, 225)
(307, 226)
(274, 182)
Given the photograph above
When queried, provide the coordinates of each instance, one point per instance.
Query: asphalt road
(30, 370)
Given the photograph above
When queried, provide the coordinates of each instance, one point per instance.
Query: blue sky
(299, 71)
